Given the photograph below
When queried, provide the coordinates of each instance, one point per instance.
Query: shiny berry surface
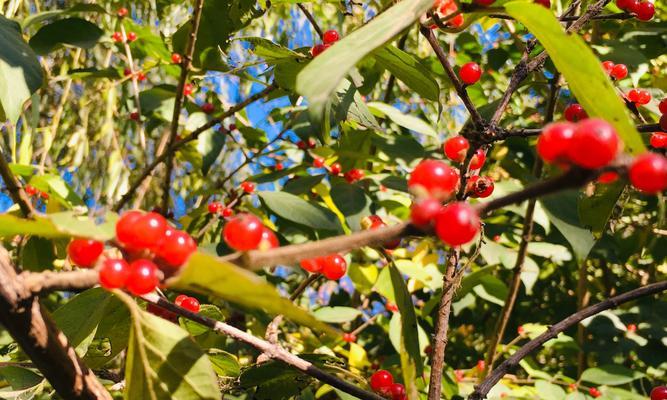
(349, 337)
(470, 73)
(397, 392)
(243, 232)
(180, 299)
(188, 89)
(215, 207)
(663, 106)
(433, 178)
(176, 247)
(191, 304)
(381, 381)
(608, 65)
(456, 148)
(595, 144)
(227, 212)
(335, 169)
(477, 161)
(659, 393)
(248, 187)
(143, 277)
(331, 36)
(620, 71)
(318, 162)
(457, 224)
(423, 212)
(122, 12)
(608, 177)
(554, 142)
(480, 186)
(354, 175)
(84, 252)
(176, 58)
(131, 36)
(659, 140)
(648, 173)
(114, 273)
(269, 239)
(645, 11)
(575, 113)
(313, 265)
(334, 267)
(594, 392)
(117, 37)
(125, 227)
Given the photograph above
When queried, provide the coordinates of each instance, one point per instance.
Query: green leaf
(38, 254)
(209, 144)
(273, 381)
(20, 72)
(492, 290)
(58, 188)
(75, 32)
(353, 202)
(58, 225)
(163, 362)
(407, 121)
(206, 310)
(20, 378)
(582, 69)
(561, 208)
(75, 9)
(549, 391)
(271, 52)
(336, 315)
(612, 375)
(318, 81)
(594, 211)
(94, 73)
(112, 334)
(408, 70)
(159, 100)
(473, 279)
(224, 364)
(208, 275)
(296, 209)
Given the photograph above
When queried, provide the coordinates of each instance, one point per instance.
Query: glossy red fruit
(318, 162)
(633, 96)
(554, 142)
(520, 330)
(480, 186)
(391, 307)
(633, 5)
(397, 392)
(114, 273)
(648, 173)
(544, 3)
(481, 365)
(644, 97)
(632, 328)
(176, 58)
(470, 73)
(423, 212)
(319, 49)
(594, 392)
(313, 265)
(279, 166)
(117, 37)
(215, 207)
(191, 304)
(135, 116)
(595, 143)
(31, 190)
(188, 89)
(141, 76)
(659, 393)
(354, 175)
(575, 113)
(608, 65)
(143, 277)
(335, 169)
(125, 227)
(663, 122)
(248, 187)
(334, 267)
(623, 4)
(349, 337)
(180, 299)
(608, 177)
(381, 381)
(131, 36)
(433, 178)
(331, 36)
(227, 212)
(122, 12)
(208, 108)
(659, 140)
(663, 106)
(457, 224)
(645, 11)
(84, 252)
(176, 247)
(243, 233)
(456, 148)
(620, 71)
(269, 239)
(478, 160)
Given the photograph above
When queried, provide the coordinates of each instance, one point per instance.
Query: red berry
(633, 5)
(232, 127)
(456, 148)
(301, 145)
(31, 190)
(354, 175)
(423, 212)
(131, 36)
(457, 224)
(391, 307)
(135, 116)
(644, 97)
(269, 239)
(619, 71)
(485, 3)
(520, 330)
(335, 169)
(313, 265)
(608, 65)
(143, 277)
(191, 304)
(188, 89)
(433, 178)
(176, 58)
(127, 72)
(575, 113)
(318, 162)
(176, 247)
(632, 328)
(470, 73)
(648, 173)
(215, 207)
(248, 187)
(659, 393)
(180, 299)
(349, 338)
(554, 141)
(122, 12)
(481, 365)
(381, 381)
(480, 186)
(594, 392)
(146, 231)
(84, 252)
(114, 273)
(397, 391)
(594, 144)
(318, 49)
(44, 195)
(279, 166)
(544, 3)
(334, 267)
(633, 96)
(141, 76)
(645, 11)
(227, 212)
(243, 233)
(478, 160)
(659, 140)
(623, 4)
(608, 177)
(663, 106)
(331, 36)
(663, 122)
(207, 108)
(117, 37)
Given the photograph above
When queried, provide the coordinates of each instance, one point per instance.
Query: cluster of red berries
(456, 149)
(639, 96)
(33, 191)
(328, 39)
(188, 89)
(118, 37)
(382, 382)
(349, 337)
(218, 208)
(446, 8)
(470, 73)
(659, 393)
(189, 303)
(375, 222)
(334, 169)
(333, 266)
(139, 74)
(354, 175)
(309, 144)
(594, 392)
(616, 71)
(643, 10)
(246, 232)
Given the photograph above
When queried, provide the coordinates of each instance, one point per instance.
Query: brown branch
(483, 389)
(310, 18)
(178, 102)
(458, 86)
(16, 192)
(273, 351)
(34, 330)
(502, 134)
(179, 144)
(48, 281)
(135, 86)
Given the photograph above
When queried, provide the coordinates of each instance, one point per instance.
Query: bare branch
(15, 190)
(310, 18)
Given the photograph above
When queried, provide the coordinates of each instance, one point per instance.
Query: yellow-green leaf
(58, 225)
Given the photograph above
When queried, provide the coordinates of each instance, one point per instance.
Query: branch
(483, 389)
(178, 102)
(310, 18)
(460, 88)
(502, 134)
(135, 87)
(34, 330)
(16, 192)
(48, 281)
(273, 351)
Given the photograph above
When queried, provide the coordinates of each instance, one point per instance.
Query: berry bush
(397, 200)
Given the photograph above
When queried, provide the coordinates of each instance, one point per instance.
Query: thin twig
(310, 18)
(15, 190)
(135, 87)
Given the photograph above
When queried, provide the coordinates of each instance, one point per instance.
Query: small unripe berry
(595, 144)
(243, 233)
(648, 173)
(114, 273)
(456, 148)
(84, 252)
(457, 224)
(176, 58)
(331, 36)
(470, 73)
